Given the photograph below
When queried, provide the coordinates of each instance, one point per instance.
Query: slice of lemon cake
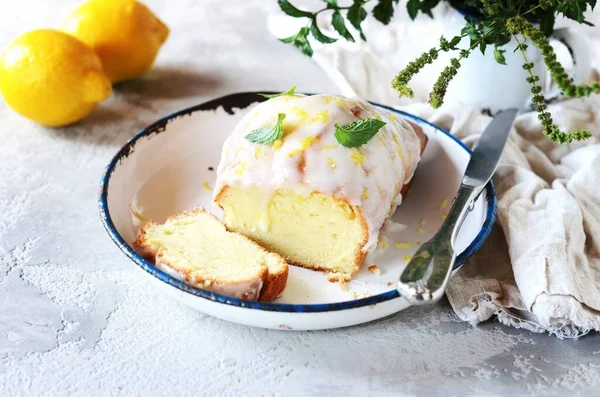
(320, 192)
(196, 248)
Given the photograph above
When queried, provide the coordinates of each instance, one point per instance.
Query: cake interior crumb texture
(314, 231)
(197, 248)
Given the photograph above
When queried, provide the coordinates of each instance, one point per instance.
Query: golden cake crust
(272, 283)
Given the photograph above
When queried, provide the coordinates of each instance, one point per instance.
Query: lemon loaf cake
(196, 248)
(315, 201)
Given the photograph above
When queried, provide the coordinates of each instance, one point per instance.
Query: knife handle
(425, 277)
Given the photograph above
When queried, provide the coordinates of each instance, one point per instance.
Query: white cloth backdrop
(540, 268)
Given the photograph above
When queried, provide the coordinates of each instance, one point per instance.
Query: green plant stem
(549, 128)
(330, 9)
(530, 10)
(401, 80)
(557, 71)
(436, 97)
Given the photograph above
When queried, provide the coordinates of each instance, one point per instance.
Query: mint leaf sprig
(357, 133)
(350, 135)
(289, 92)
(269, 134)
(355, 15)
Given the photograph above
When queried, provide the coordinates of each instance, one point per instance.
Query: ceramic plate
(170, 167)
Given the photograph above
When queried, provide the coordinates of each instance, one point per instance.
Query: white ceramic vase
(484, 83)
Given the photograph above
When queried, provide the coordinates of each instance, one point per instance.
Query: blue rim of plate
(240, 101)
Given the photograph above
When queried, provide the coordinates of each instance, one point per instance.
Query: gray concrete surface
(78, 319)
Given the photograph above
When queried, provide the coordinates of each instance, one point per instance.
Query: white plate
(168, 167)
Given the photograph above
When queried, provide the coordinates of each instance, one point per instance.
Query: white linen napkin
(540, 268)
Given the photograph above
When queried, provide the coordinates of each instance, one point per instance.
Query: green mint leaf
(470, 29)
(338, 24)
(356, 15)
(357, 133)
(331, 4)
(499, 56)
(286, 93)
(573, 9)
(383, 11)
(292, 11)
(288, 39)
(300, 41)
(488, 29)
(413, 7)
(297, 38)
(269, 134)
(454, 42)
(307, 49)
(317, 34)
(425, 6)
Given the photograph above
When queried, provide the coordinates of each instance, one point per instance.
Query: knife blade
(486, 155)
(426, 275)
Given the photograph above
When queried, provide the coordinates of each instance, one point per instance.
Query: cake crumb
(206, 186)
(340, 278)
(402, 245)
(419, 243)
(444, 203)
(389, 283)
(361, 295)
(393, 227)
(374, 269)
(335, 277)
(137, 213)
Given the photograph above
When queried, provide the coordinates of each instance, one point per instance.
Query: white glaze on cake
(310, 159)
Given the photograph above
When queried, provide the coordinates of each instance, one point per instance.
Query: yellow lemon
(125, 34)
(51, 78)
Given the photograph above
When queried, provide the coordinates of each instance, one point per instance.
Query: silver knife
(426, 275)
